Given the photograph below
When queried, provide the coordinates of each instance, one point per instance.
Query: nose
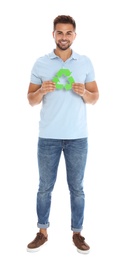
(64, 37)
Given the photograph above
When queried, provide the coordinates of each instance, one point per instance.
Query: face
(64, 35)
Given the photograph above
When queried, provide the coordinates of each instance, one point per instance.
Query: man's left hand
(78, 88)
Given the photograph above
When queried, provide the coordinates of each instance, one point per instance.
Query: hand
(78, 88)
(47, 86)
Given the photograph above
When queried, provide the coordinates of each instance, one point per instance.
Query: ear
(53, 34)
(75, 36)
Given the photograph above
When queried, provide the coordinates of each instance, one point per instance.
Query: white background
(25, 34)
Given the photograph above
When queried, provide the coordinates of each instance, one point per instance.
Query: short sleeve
(35, 75)
(90, 76)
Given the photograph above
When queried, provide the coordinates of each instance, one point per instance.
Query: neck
(64, 55)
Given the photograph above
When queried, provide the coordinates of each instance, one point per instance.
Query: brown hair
(64, 19)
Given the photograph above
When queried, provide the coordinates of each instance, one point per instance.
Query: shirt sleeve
(90, 75)
(35, 75)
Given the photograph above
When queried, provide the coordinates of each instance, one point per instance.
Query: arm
(88, 91)
(36, 92)
(91, 93)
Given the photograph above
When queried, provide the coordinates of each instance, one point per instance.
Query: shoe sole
(33, 250)
(83, 251)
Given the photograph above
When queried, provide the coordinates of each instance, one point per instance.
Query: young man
(64, 82)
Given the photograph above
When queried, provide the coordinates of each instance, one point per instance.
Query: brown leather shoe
(35, 245)
(79, 242)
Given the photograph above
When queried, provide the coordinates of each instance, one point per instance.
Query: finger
(48, 85)
(78, 84)
(48, 82)
(78, 90)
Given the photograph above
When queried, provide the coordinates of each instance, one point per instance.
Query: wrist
(41, 90)
(84, 93)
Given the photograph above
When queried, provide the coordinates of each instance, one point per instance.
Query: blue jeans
(75, 154)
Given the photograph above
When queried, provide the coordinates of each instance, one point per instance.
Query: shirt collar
(74, 55)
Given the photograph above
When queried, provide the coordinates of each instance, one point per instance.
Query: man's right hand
(47, 86)
(36, 92)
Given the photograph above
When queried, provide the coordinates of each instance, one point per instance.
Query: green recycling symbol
(67, 74)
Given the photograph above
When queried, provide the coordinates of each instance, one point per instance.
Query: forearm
(90, 97)
(36, 97)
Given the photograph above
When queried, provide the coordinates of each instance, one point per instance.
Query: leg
(75, 154)
(49, 152)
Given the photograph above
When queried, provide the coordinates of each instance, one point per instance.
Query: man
(64, 82)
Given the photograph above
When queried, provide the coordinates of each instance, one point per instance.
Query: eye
(69, 33)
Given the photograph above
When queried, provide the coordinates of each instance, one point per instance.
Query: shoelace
(81, 239)
(39, 236)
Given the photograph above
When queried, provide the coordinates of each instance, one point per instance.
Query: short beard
(61, 48)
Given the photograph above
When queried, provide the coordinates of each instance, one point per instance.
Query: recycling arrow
(67, 74)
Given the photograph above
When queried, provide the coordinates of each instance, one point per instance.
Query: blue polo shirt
(63, 112)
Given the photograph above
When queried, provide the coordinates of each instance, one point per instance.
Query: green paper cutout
(66, 73)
